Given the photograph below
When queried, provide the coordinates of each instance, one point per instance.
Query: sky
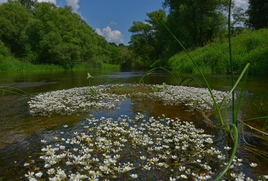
(113, 18)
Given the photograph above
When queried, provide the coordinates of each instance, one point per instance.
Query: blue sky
(113, 18)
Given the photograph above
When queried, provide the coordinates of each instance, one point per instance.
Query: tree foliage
(147, 38)
(258, 14)
(43, 33)
(194, 22)
(14, 19)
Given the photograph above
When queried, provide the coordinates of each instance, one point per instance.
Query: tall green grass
(11, 64)
(106, 66)
(249, 47)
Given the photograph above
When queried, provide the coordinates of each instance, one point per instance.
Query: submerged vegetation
(128, 149)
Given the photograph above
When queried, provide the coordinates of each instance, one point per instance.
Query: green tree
(63, 37)
(28, 3)
(258, 14)
(44, 33)
(14, 20)
(146, 41)
(4, 51)
(196, 22)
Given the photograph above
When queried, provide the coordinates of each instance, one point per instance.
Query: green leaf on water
(89, 76)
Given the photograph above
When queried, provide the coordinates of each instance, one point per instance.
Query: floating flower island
(84, 99)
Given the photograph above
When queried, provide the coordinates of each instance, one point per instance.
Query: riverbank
(249, 47)
(11, 64)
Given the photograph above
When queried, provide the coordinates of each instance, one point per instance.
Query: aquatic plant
(133, 148)
(81, 99)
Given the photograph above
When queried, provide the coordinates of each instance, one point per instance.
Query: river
(20, 132)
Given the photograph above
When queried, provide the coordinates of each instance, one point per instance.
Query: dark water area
(20, 132)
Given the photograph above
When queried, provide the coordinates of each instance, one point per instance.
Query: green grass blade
(239, 100)
(202, 75)
(235, 134)
(5, 89)
(163, 68)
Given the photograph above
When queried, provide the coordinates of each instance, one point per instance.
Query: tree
(28, 3)
(258, 14)
(4, 51)
(146, 39)
(196, 21)
(44, 33)
(14, 20)
(62, 37)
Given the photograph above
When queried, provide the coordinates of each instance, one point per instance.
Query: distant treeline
(42, 33)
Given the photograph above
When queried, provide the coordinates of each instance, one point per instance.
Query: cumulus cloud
(242, 4)
(111, 35)
(73, 4)
(51, 1)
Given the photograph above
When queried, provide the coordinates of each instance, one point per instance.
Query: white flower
(183, 176)
(39, 174)
(134, 175)
(30, 175)
(26, 164)
(233, 175)
(253, 164)
(146, 167)
(43, 141)
(51, 171)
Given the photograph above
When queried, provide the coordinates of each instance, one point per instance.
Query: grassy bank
(250, 47)
(10, 64)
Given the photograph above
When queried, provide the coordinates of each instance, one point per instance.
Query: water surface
(20, 132)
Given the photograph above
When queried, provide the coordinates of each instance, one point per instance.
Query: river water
(20, 132)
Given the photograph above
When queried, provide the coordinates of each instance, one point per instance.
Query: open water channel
(20, 132)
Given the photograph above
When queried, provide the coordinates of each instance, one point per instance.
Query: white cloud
(241, 3)
(111, 35)
(51, 1)
(73, 4)
(98, 31)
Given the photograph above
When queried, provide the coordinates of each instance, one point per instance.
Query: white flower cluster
(198, 98)
(83, 99)
(70, 101)
(139, 148)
